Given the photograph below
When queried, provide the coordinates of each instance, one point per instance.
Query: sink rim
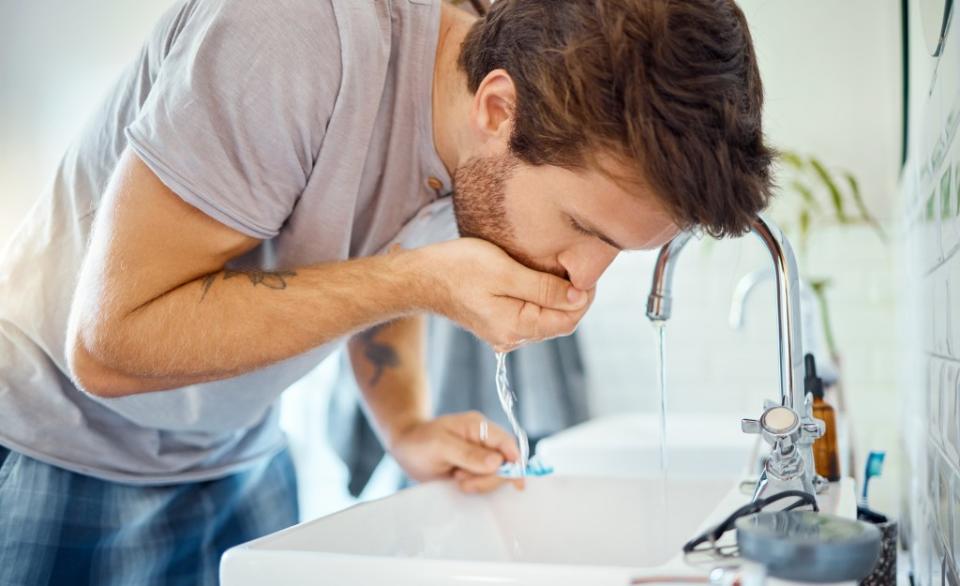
(250, 563)
(419, 495)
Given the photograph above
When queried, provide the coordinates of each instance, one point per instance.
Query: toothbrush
(874, 467)
(534, 468)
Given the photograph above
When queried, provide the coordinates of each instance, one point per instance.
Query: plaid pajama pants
(59, 527)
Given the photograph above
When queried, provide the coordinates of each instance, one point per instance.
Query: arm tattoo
(381, 355)
(269, 279)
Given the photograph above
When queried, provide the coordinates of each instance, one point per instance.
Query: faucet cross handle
(778, 424)
(785, 468)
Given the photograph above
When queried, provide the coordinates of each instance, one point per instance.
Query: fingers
(481, 439)
(545, 290)
(509, 303)
(472, 457)
(472, 483)
(539, 323)
(496, 437)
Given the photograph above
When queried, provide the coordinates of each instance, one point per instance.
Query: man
(216, 229)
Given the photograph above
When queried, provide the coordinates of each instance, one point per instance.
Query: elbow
(95, 376)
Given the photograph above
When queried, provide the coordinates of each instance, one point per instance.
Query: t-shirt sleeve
(236, 115)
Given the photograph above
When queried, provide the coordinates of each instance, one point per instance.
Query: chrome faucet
(788, 425)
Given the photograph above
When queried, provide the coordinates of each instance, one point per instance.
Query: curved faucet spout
(659, 304)
(788, 312)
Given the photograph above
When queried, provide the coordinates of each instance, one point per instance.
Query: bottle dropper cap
(812, 383)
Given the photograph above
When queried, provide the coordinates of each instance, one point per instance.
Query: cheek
(532, 223)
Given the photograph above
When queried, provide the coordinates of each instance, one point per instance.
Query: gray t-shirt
(305, 123)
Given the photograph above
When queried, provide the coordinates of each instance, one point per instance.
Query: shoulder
(291, 15)
(277, 24)
(281, 43)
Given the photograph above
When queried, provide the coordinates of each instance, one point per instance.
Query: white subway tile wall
(931, 333)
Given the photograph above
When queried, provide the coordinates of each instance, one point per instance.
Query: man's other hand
(451, 446)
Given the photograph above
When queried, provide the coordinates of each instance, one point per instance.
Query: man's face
(569, 223)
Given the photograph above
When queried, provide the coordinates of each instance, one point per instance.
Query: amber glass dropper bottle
(825, 454)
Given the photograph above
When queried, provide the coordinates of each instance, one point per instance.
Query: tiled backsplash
(931, 208)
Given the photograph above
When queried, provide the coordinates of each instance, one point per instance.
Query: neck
(450, 98)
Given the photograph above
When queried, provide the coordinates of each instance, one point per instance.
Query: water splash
(508, 401)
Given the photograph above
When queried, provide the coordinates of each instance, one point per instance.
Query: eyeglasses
(712, 536)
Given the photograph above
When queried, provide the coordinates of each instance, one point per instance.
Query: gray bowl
(809, 547)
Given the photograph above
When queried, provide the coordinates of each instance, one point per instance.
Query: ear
(494, 107)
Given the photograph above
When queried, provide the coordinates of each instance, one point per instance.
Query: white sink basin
(698, 446)
(560, 530)
(617, 519)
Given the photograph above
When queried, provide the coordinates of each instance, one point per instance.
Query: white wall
(832, 76)
(57, 59)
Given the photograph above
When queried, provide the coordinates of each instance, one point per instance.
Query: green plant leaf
(862, 207)
(806, 194)
(835, 196)
(804, 227)
(819, 287)
(792, 159)
(804, 223)
(819, 284)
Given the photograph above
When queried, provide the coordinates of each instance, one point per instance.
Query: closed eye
(591, 232)
(579, 227)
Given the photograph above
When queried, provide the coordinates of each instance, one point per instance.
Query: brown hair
(669, 87)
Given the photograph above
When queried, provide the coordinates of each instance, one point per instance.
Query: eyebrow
(594, 232)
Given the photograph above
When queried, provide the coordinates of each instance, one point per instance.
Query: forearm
(388, 362)
(153, 308)
(228, 323)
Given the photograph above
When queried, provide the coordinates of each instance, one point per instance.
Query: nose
(586, 262)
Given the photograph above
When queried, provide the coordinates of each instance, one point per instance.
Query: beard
(479, 196)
